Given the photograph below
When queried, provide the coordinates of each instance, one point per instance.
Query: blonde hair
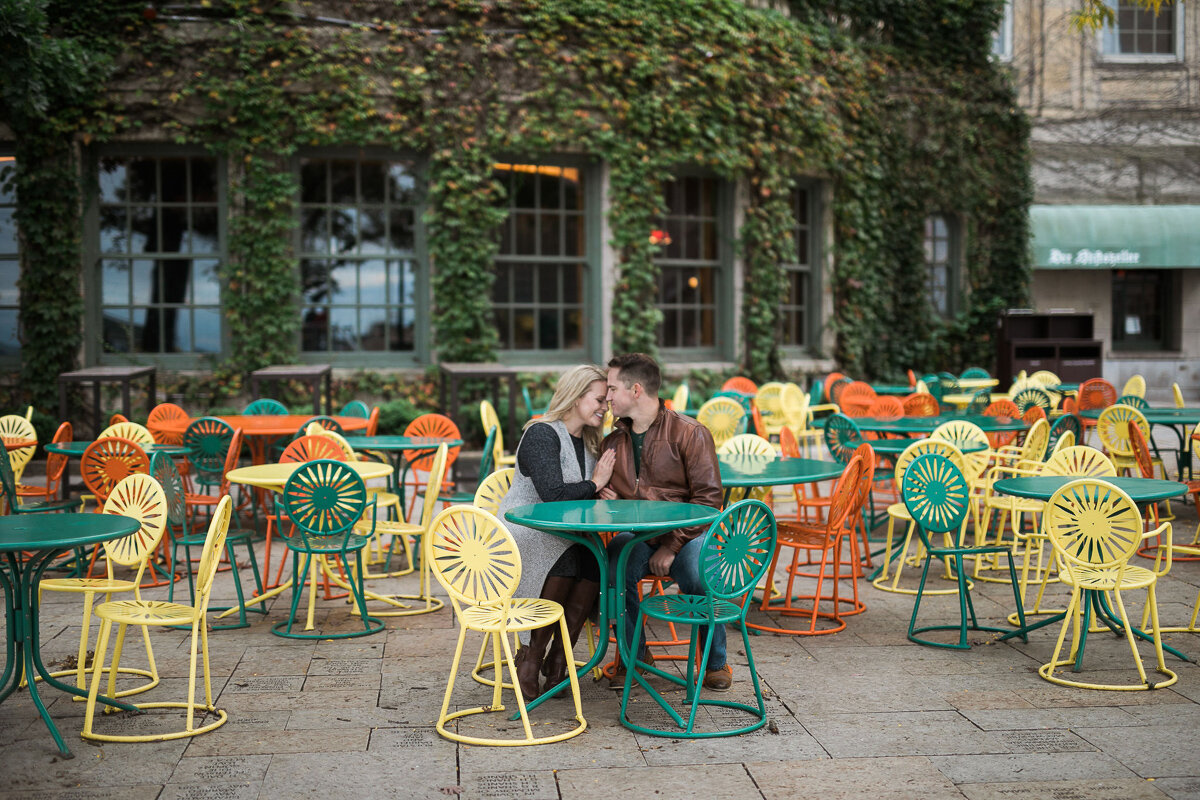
(572, 385)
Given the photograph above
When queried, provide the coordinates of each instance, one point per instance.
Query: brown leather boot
(576, 610)
(529, 658)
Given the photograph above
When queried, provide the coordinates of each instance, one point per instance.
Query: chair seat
(146, 612)
(392, 527)
(327, 544)
(691, 609)
(57, 505)
(1004, 503)
(799, 534)
(899, 511)
(236, 536)
(523, 614)
(83, 585)
(1106, 579)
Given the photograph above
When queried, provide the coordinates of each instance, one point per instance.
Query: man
(660, 455)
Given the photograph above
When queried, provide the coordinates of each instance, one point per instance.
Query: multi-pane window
(939, 263)
(1141, 310)
(358, 265)
(160, 253)
(541, 266)
(10, 268)
(689, 264)
(797, 309)
(1143, 32)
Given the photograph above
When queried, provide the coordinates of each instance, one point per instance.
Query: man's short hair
(638, 368)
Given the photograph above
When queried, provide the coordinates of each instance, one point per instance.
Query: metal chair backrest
(747, 444)
(1096, 393)
(492, 490)
(473, 557)
(164, 412)
(17, 427)
(936, 494)
(129, 430)
(437, 473)
(1037, 439)
(437, 426)
(107, 462)
(722, 416)
(487, 460)
(680, 399)
(207, 440)
(741, 384)
(1136, 385)
(1093, 526)
(1141, 452)
(842, 437)
(1002, 408)
(56, 463)
(963, 431)
(315, 429)
(1133, 401)
(974, 373)
(922, 447)
(310, 448)
(1065, 423)
(1045, 377)
(737, 550)
(210, 557)
(980, 401)
(491, 420)
(324, 498)
(844, 497)
(1113, 427)
(1080, 460)
(886, 407)
(856, 397)
(163, 470)
(139, 497)
(328, 423)
(1031, 396)
(920, 404)
(356, 408)
(265, 406)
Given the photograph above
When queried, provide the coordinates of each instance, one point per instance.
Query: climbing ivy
(894, 104)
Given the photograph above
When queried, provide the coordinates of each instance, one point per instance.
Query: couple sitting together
(652, 454)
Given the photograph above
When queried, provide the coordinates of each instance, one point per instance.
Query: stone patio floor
(861, 713)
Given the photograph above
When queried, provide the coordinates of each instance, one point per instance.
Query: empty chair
(107, 462)
(265, 406)
(16, 428)
(475, 559)
(723, 417)
(156, 613)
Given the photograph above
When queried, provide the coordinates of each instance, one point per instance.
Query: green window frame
(10, 263)
(694, 266)
(800, 306)
(363, 273)
(546, 266)
(156, 241)
(941, 242)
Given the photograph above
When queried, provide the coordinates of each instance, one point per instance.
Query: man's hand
(661, 561)
(607, 493)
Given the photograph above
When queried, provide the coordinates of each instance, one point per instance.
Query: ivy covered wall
(901, 111)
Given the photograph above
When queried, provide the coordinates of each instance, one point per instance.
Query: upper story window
(1141, 34)
(360, 277)
(160, 251)
(690, 264)
(1002, 37)
(542, 265)
(941, 248)
(10, 267)
(799, 309)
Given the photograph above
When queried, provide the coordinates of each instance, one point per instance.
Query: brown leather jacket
(679, 463)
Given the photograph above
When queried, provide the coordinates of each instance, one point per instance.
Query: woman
(556, 460)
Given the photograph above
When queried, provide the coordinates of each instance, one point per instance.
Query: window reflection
(363, 214)
(155, 215)
(689, 264)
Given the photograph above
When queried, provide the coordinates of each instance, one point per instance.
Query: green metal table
(1178, 420)
(894, 389)
(45, 535)
(890, 448)
(75, 449)
(1141, 490)
(581, 521)
(749, 471)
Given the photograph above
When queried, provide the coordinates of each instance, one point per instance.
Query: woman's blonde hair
(572, 385)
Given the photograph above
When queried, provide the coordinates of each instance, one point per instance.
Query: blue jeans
(685, 571)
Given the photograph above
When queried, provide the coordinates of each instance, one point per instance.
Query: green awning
(1115, 237)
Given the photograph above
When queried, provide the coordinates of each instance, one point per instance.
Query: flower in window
(660, 237)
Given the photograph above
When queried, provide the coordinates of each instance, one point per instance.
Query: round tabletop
(977, 383)
(894, 447)
(262, 424)
(894, 389)
(386, 443)
(910, 425)
(274, 476)
(1156, 416)
(44, 531)
(1042, 487)
(600, 516)
(75, 449)
(748, 470)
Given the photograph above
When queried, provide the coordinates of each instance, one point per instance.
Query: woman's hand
(604, 469)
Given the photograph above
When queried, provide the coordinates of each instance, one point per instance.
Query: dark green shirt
(638, 438)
